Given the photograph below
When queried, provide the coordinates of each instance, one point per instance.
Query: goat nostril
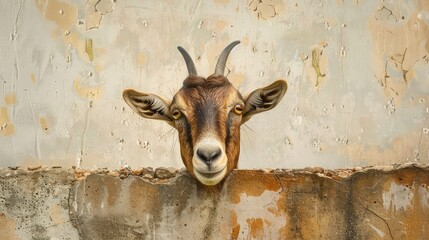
(215, 154)
(209, 155)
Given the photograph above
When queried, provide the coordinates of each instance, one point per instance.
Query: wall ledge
(390, 202)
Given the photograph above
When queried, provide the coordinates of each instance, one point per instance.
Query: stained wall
(357, 73)
(391, 202)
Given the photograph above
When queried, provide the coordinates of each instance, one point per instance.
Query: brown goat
(208, 114)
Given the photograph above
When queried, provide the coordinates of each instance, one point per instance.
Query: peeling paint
(93, 20)
(265, 9)
(396, 53)
(398, 197)
(317, 69)
(95, 11)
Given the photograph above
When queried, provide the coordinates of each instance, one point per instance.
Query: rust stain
(33, 78)
(416, 213)
(256, 226)
(87, 92)
(235, 230)
(7, 229)
(220, 25)
(43, 122)
(10, 99)
(63, 14)
(140, 59)
(247, 184)
(6, 127)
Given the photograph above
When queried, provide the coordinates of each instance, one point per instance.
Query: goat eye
(176, 114)
(238, 109)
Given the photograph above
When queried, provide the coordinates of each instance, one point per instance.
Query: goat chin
(210, 179)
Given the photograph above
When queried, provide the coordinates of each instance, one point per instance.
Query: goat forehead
(219, 97)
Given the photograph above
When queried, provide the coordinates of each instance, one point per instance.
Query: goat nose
(209, 153)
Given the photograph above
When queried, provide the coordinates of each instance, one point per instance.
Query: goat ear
(264, 99)
(148, 105)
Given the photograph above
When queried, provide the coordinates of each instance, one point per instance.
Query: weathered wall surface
(357, 72)
(372, 203)
(35, 205)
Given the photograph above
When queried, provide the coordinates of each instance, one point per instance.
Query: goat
(207, 113)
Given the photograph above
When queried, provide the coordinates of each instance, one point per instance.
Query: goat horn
(189, 63)
(220, 65)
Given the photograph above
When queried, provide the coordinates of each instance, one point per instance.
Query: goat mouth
(210, 174)
(210, 178)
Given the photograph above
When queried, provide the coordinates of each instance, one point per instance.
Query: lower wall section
(388, 203)
(35, 204)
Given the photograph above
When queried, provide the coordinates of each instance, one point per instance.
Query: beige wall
(357, 73)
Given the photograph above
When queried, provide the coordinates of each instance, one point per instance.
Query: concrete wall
(357, 72)
(371, 203)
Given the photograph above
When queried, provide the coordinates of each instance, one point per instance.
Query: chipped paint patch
(423, 194)
(254, 212)
(398, 197)
(95, 11)
(398, 35)
(265, 9)
(317, 66)
(93, 20)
